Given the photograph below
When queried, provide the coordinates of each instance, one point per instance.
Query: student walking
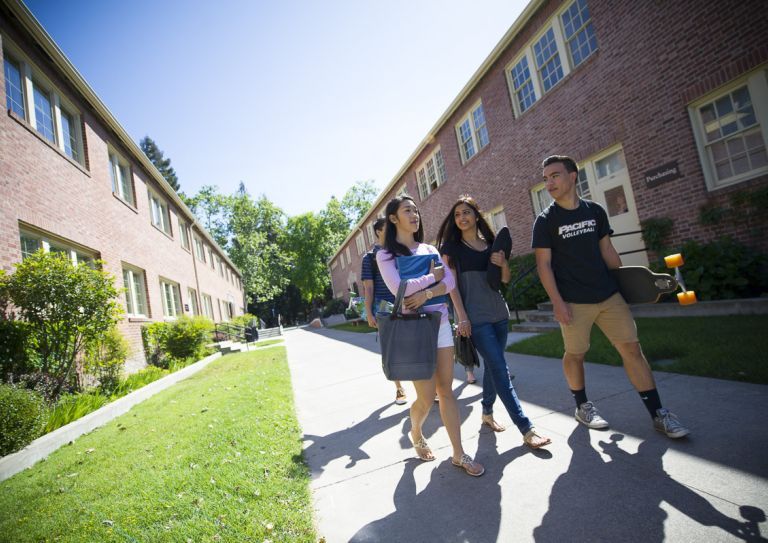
(465, 241)
(404, 235)
(376, 291)
(574, 254)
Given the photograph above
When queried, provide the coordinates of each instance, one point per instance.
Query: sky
(297, 99)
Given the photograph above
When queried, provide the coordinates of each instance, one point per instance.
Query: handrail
(230, 332)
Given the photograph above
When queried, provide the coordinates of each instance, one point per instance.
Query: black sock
(580, 396)
(651, 400)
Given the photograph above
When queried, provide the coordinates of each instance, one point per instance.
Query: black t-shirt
(573, 235)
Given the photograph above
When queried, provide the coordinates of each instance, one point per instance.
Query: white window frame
(194, 307)
(540, 198)
(199, 249)
(349, 258)
(492, 216)
(207, 303)
(371, 233)
(48, 243)
(134, 283)
(170, 289)
(32, 78)
(756, 83)
(360, 243)
(403, 190)
(470, 119)
(334, 265)
(184, 234)
(121, 178)
(430, 174)
(159, 214)
(563, 50)
(343, 265)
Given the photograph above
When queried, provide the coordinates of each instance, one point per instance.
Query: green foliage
(243, 320)
(724, 269)
(16, 349)
(22, 417)
(528, 291)
(71, 407)
(181, 339)
(153, 339)
(66, 307)
(358, 200)
(656, 231)
(139, 379)
(105, 358)
(163, 165)
(335, 306)
(711, 215)
(351, 313)
(214, 211)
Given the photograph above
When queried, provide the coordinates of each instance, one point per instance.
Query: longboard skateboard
(639, 285)
(502, 242)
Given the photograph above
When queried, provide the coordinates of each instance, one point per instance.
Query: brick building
(664, 105)
(72, 180)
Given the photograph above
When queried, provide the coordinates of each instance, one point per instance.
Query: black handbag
(464, 352)
(408, 341)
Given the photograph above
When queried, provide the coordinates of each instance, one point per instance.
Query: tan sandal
(534, 440)
(422, 449)
(475, 469)
(489, 421)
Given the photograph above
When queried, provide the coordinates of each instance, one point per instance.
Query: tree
(358, 200)
(163, 165)
(214, 211)
(308, 241)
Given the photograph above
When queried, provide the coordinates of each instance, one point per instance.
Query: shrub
(351, 314)
(16, 349)
(153, 339)
(335, 306)
(528, 290)
(656, 231)
(186, 337)
(71, 407)
(66, 306)
(137, 380)
(105, 358)
(22, 417)
(245, 320)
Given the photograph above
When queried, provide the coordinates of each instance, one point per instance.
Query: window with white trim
(120, 175)
(496, 219)
(171, 298)
(158, 210)
(371, 233)
(135, 291)
(221, 266)
(199, 249)
(207, 306)
(472, 132)
(194, 308)
(184, 234)
(430, 174)
(32, 241)
(360, 243)
(540, 198)
(33, 98)
(731, 130)
(210, 258)
(334, 264)
(540, 195)
(566, 40)
(349, 258)
(403, 190)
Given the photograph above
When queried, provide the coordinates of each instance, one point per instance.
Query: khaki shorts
(612, 316)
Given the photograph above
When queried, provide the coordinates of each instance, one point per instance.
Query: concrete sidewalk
(628, 483)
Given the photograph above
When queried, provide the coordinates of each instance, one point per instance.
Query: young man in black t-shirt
(574, 254)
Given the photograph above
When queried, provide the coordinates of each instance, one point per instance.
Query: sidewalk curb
(40, 448)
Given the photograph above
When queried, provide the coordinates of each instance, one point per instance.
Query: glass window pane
(723, 170)
(740, 164)
(758, 159)
(723, 106)
(44, 114)
(719, 151)
(14, 97)
(68, 132)
(735, 146)
(741, 98)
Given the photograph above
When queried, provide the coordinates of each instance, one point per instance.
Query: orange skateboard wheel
(674, 261)
(686, 298)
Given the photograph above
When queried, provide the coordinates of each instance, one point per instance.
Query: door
(608, 179)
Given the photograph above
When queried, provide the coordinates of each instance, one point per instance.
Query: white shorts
(445, 335)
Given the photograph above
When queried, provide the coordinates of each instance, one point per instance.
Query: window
(221, 266)
(608, 166)
(567, 40)
(193, 306)
(122, 181)
(403, 191)
(171, 298)
(199, 249)
(349, 259)
(335, 265)
(731, 129)
(14, 95)
(159, 213)
(207, 306)
(582, 185)
(184, 231)
(135, 292)
(210, 258)
(430, 174)
(579, 33)
(43, 112)
(360, 242)
(371, 233)
(472, 132)
(31, 242)
(496, 219)
(69, 135)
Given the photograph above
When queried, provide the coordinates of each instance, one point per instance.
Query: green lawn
(361, 327)
(267, 342)
(733, 348)
(216, 457)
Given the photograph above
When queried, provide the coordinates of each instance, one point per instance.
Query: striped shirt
(370, 273)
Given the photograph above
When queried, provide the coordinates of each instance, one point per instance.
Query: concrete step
(541, 316)
(536, 327)
(545, 306)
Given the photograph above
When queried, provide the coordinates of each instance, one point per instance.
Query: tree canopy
(163, 165)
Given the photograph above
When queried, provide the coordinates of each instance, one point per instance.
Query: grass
(734, 348)
(360, 327)
(216, 457)
(268, 342)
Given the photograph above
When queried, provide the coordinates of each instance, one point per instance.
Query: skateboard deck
(639, 285)
(503, 242)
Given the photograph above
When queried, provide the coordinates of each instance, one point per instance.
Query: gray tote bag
(408, 341)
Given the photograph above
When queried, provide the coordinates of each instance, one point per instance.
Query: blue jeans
(490, 339)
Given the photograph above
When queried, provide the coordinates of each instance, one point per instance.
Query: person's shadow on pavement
(597, 500)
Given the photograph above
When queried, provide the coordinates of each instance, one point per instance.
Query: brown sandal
(489, 421)
(475, 469)
(534, 440)
(422, 449)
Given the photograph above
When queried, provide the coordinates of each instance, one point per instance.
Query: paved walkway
(626, 484)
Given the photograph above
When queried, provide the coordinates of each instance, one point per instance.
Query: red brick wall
(653, 59)
(41, 187)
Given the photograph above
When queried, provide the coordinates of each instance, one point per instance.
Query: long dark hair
(390, 234)
(450, 235)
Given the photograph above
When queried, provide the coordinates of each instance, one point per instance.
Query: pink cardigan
(388, 271)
